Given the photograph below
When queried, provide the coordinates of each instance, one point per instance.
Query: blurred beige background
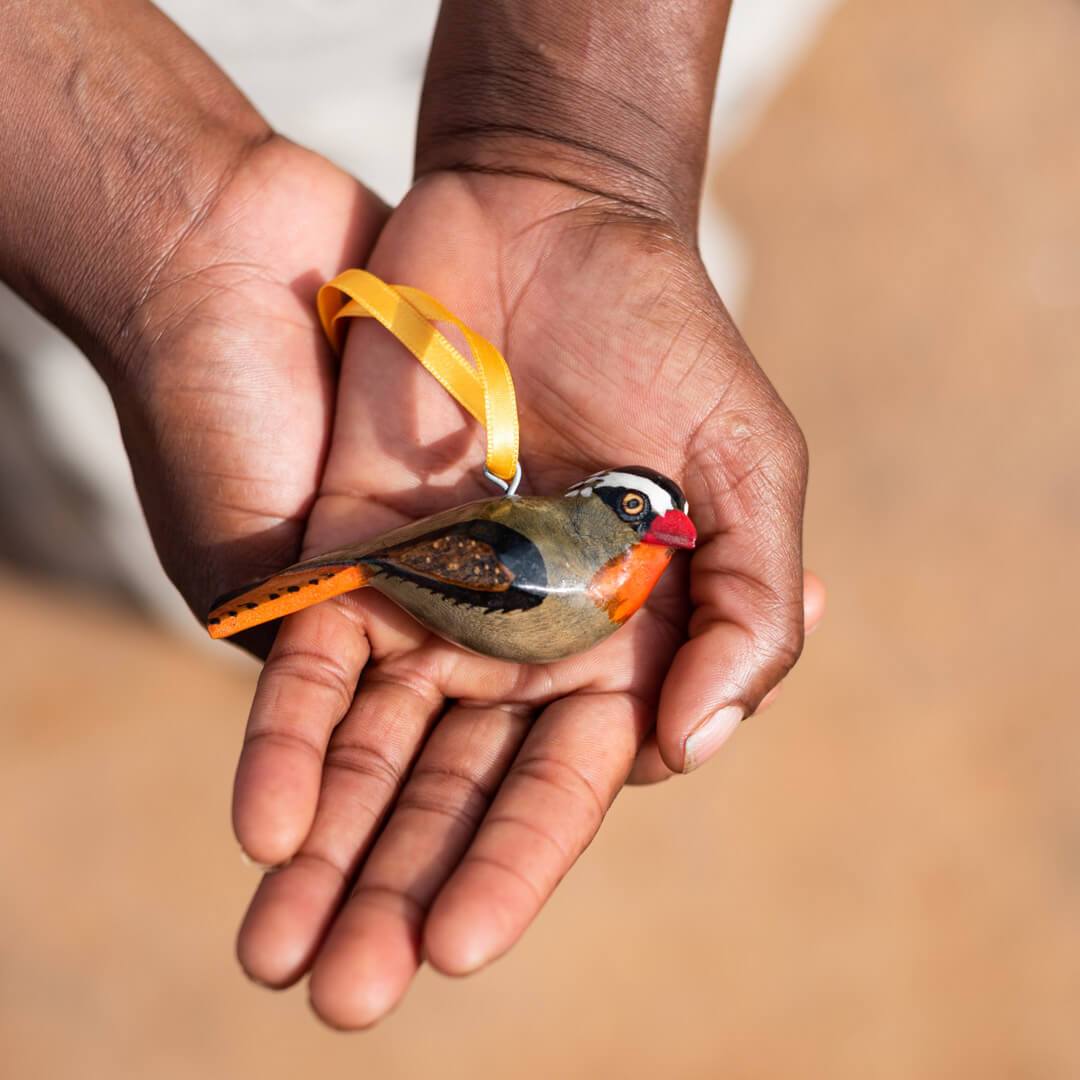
(878, 879)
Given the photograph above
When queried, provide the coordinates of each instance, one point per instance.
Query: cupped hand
(227, 393)
(423, 802)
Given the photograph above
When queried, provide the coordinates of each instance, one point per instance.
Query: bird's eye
(632, 503)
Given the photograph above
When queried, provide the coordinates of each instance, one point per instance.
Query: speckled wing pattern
(480, 563)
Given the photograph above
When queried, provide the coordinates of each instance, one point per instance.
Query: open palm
(429, 799)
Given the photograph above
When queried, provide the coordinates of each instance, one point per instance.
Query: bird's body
(529, 579)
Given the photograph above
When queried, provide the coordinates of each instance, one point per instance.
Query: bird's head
(647, 501)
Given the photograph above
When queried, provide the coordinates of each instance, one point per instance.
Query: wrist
(613, 100)
(116, 136)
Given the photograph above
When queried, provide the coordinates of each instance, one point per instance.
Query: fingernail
(708, 737)
(266, 868)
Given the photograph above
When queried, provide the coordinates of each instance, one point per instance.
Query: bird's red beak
(673, 529)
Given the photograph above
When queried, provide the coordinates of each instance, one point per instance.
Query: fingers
(747, 481)
(304, 690)
(649, 767)
(570, 768)
(367, 758)
(374, 947)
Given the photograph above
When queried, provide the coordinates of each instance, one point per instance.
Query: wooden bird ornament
(530, 579)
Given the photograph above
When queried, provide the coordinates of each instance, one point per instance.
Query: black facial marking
(213, 622)
(614, 497)
(314, 581)
(250, 606)
(232, 614)
(274, 595)
(293, 588)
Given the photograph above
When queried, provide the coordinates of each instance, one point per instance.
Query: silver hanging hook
(508, 488)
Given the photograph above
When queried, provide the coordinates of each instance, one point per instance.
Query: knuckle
(754, 451)
(794, 447)
(284, 738)
(750, 439)
(521, 877)
(782, 451)
(566, 779)
(533, 829)
(782, 647)
(447, 792)
(367, 761)
(312, 669)
(415, 681)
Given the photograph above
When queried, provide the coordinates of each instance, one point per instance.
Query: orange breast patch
(622, 585)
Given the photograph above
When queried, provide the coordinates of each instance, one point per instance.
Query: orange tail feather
(295, 588)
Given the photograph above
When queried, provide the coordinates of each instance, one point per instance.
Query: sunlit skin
(620, 351)
(155, 217)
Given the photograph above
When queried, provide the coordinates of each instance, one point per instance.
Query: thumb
(746, 582)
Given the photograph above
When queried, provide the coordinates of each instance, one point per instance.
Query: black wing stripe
(501, 570)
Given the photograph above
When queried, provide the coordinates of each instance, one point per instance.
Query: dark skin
(429, 800)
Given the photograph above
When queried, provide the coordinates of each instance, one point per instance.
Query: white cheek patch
(659, 498)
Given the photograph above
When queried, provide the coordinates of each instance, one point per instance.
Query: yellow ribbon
(483, 388)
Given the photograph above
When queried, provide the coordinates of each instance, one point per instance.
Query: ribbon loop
(484, 388)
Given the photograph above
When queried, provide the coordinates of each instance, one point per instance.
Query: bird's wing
(296, 587)
(452, 558)
(484, 564)
(474, 561)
